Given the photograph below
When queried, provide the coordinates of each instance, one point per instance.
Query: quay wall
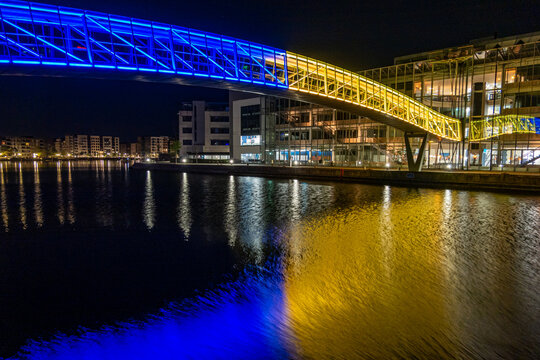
(504, 181)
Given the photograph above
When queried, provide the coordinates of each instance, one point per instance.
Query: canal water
(98, 261)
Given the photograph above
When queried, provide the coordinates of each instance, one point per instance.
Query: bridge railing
(316, 77)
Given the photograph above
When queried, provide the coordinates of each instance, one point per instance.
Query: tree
(174, 149)
(7, 150)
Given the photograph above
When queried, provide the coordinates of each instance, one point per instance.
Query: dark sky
(353, 34)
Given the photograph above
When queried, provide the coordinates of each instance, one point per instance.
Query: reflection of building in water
(3, 199)
(22, 198)
(70, 201)
(38, 206)
(60, 193)
(231, 208)
(251, 202)
(149, 206)
(184, 207)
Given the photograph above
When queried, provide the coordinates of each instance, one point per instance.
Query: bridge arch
(54, 40)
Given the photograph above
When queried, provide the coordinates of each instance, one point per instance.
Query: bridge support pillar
(415, 165)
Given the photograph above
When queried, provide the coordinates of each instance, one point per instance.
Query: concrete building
(124, 149)
(69, 145)
(82, 145)
(88, 146)
(22, 146)
(248, 126)
(107, 145)
(204, 131)
(95, 145)
(135, 149)
(153, 146)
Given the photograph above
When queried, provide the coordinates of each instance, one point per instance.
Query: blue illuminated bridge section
(53, 40)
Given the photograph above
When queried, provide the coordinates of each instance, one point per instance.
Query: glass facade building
(491, 85)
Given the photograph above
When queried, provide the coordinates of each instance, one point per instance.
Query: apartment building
(204, 131)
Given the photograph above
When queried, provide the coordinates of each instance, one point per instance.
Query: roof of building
(484, 43)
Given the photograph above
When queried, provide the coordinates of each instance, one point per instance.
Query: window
(510, 75)
(186, 142)
(345, 134)
(219, 119)
(186, 118)
(219, 130)
(325, 116)
(219, 142)
(250, 119)
(187, 130)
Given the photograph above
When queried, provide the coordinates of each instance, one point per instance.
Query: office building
(204, 131)
(491, 85)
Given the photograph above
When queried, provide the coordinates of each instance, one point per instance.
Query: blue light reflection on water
(240, 320)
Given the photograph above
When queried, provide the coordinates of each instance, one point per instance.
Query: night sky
(353, 34)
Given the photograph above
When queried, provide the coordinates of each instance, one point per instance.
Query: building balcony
(521, 87)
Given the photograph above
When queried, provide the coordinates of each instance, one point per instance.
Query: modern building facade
(489, 84)
(204, 131)
(281, 131)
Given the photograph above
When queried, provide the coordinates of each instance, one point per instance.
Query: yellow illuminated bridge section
(322, 79)
(498, 125)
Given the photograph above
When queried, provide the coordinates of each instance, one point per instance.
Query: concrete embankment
(453, 179)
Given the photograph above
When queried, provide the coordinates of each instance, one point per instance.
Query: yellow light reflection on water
(369, 283)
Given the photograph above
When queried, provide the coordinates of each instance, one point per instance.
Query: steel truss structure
(501, 125)
(54, 36)
(316, 77)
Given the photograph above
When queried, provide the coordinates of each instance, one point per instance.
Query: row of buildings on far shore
(83, 146)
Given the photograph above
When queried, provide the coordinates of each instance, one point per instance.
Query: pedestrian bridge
(54, 40)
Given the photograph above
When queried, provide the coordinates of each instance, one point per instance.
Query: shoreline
(469, 180)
